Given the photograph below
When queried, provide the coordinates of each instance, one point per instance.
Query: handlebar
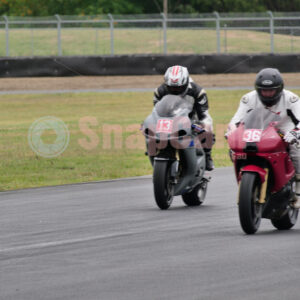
(197, 128)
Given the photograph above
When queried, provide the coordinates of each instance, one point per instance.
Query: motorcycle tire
(250, 210)
(196, 196)
(287, 221)
(162, 183)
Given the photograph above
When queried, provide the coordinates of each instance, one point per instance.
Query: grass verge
(105, 142)
(96, 41)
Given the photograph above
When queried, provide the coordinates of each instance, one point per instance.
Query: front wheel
(250, 210)
(163, 185)
(197, 195)
(288, 220)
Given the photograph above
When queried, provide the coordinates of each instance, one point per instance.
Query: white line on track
(39, 246)
(51, 244)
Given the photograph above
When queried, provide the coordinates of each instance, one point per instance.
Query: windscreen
(171, 106)
(260, 118)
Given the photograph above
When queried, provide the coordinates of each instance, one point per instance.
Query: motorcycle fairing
(255, 169)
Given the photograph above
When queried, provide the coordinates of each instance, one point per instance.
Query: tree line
(96, 7)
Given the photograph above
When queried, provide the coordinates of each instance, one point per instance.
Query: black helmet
(269, 85)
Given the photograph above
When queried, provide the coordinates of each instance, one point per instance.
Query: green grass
(20, 167)
(93, 41)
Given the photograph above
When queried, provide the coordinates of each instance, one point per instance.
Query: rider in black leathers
(178, 82)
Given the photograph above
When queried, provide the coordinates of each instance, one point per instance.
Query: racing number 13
(164, 125)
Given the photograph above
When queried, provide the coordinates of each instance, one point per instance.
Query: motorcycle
(175, 152)
(264, 172)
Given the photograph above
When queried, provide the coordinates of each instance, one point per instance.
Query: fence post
(225, 38)
(164, 24)
(32, 42)
(96, 41)
(112, 40)
(218, 31)
(6, 34)
(271, 30)
(292, 40)
(59, 35)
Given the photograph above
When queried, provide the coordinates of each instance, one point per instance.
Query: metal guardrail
(164, 28)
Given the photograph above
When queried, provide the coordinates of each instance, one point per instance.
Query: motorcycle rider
(269, 94)
(178, 82)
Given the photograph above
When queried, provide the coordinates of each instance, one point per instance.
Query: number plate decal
(164, 125)
(252, 135)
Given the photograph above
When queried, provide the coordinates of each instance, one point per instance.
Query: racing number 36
(252, 135)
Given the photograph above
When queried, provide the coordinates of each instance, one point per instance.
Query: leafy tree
(282, 5)
(92, 7)
(67, 7)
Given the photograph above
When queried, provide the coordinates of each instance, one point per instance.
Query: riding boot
(296, 204)
(208, 160)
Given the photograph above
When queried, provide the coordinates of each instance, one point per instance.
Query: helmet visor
(177, 90)
(268, 93)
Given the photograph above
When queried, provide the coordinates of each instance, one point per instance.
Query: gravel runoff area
(128, 82)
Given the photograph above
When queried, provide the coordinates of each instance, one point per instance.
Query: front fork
(263, 175)
(263, 189)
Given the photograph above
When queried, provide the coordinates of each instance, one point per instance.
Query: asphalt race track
(108, 240)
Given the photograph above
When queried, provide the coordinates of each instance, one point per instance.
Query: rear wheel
(197, 195)
(250, 210)
(287, 221)
(163, 185)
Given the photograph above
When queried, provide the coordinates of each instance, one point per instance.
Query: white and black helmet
(269, 85)
(177, 79)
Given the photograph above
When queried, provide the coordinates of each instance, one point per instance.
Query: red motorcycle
(264, 172)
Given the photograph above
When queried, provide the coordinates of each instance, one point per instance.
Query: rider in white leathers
(270, 95)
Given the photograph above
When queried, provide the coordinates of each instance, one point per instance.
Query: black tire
(196, 196)
(287, 221)
(163, 187)
(249, 209)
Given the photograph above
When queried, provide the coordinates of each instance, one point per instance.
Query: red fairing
(271, 148)
(271, 141)
(235, 139)
(283, 169)
(253, 168)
